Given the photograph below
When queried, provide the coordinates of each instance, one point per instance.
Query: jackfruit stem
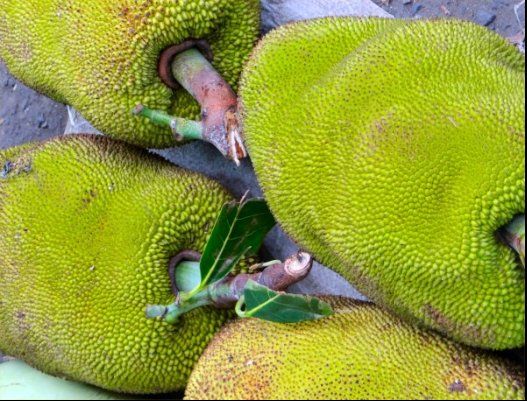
(277, 277)
(182, 128)
(219, 105)
(218, 102)
(225, 293)
(514, 235)
(173, 312)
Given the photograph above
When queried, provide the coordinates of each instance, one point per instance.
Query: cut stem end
(188, 67)
(217, 100)
(226, 293)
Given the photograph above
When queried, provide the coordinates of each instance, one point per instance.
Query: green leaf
(263, 303)
(239, 231)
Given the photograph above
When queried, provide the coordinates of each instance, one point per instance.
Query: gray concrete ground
(498, 15)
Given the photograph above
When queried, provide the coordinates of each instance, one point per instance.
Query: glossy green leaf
(262, 303)
(239, 231)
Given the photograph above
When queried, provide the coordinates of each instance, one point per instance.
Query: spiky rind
(393, 150)
(101, 57)
(361, 352)
(87, 228)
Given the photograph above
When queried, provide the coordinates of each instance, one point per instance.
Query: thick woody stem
(218, 101)
(187, 65)
(277, 277)
(226, 293)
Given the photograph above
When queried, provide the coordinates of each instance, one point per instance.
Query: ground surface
(498, 15)
(25, 115)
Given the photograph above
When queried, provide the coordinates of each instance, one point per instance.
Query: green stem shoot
(182, 129)
(226, 293)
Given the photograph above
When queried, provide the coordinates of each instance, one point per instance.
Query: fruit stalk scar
(514, 235)
(227, 292)
(219, 124)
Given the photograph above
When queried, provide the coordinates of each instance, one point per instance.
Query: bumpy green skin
(362, 352)
(87, 227)
(101, 56)
(393, 150)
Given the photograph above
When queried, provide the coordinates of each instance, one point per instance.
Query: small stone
(406, 2)
(457, 387)
(41, 120)
(25, 104)
(416, 8)
(484, 18)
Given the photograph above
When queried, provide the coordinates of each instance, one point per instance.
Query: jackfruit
(361, 352)
(393, 151)
(19, 381)
(102, 56)
(87, 228)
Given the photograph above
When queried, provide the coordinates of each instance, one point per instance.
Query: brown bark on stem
(277, 277)
(188, 65)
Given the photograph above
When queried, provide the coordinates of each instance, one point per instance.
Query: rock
(416, 8)
(41, 121)
(484, 17)
(25, 104)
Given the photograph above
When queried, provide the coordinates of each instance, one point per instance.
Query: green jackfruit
(361, 352)
(393, 151)
(19, 381)
(87, 228)
(102, 56)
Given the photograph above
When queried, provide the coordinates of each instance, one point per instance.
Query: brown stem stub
(188, 65)
(219, 103)
(277, 277)
(164, 66)
(299, 265)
